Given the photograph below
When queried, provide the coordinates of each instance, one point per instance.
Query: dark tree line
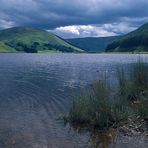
(130, 42)
(23, 47)
(59, 48)
(33, 48)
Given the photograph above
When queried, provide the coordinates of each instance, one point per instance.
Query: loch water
(35, 89)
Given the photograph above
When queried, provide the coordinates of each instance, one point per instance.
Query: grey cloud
(50, 14)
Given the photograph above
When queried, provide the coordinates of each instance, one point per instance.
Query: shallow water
(35, 89)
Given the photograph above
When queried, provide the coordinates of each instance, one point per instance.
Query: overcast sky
(75, 18)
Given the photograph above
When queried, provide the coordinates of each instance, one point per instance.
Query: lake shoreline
(101, 107)
(58, 52)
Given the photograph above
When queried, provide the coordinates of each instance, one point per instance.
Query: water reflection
(35, 89)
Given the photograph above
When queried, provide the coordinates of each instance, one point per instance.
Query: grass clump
(89, 106)
(139, 81)
(134, 88)
(101, 106)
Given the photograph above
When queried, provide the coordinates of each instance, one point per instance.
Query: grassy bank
(102, 106)
(142, 52)
(49, 51)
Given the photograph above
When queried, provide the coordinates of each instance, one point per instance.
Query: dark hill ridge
(25, 39)
(93, 44)
(133, 41)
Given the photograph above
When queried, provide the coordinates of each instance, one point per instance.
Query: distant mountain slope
(92, 44)
(32, 40)
(134, 41)
(4, 48)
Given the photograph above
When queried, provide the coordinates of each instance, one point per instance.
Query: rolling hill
(4, 48)
(31, 40)
(92, 44)
(135, 41)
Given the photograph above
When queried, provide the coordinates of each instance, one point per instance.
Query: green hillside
(25, 39)
(92, 44)
(4, 48)
(135, 41)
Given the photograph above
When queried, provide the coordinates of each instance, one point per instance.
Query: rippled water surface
(35, 89)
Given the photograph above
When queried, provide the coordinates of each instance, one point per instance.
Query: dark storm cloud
(50, 14)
